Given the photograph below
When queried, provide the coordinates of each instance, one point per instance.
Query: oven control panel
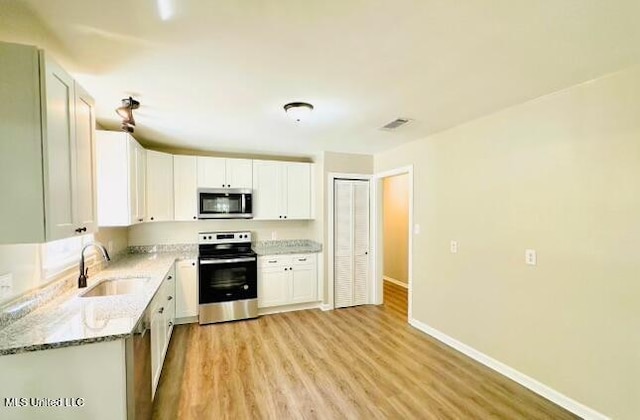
(223, 237)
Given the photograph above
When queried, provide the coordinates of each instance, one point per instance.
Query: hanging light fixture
(126, 112)
(299, 111)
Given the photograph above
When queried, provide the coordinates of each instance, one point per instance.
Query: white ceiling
(215, 75)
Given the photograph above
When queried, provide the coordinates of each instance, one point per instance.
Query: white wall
(561, 175)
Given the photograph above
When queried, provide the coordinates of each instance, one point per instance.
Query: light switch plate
(6, 285)
(530, 257)
(454, 247)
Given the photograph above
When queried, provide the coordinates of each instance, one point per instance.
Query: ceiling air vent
(395, 124)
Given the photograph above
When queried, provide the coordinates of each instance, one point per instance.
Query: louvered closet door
(351, 242)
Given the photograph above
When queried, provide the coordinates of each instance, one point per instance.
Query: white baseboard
(396, 282)
(326, 307)
(539, 388)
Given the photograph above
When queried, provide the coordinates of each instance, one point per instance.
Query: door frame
(378, 238)
(331, 178)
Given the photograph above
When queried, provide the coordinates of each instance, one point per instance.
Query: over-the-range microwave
(224, 203)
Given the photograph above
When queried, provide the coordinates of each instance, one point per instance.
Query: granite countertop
(291, 246)
(71, 320)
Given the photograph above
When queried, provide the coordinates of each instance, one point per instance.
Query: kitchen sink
(120, 286)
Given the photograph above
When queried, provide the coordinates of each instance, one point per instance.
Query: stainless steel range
(228, 277)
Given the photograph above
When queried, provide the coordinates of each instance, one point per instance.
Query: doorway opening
(378, 239)
(395, 244)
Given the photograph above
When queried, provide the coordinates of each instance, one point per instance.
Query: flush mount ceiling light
(298, 111)
(126, 112)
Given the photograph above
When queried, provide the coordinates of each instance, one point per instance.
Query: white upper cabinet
(86, 199)
(185, 187)
(46, 157)
(121, 169)
(282, 190)
(211, 172)
(159, 179)
(239, 173)
(224, 173)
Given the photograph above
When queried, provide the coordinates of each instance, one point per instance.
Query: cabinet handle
(161, 310)
(169, 278)
(272, 261)
(302, 259)
(78, 230)
(170, 297)
(170, 324)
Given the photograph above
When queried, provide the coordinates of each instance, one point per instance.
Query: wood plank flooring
(395, 299)
(362, 362)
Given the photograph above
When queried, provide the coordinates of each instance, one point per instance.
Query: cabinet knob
(193, 264)
(280, 217)
(195, 218)
(286, 269)
(161, 310)
(285, 217)
(140, 220)
(151, 217)
(170, 297)
(229, 185)
(169, 277)
(170, 324)
(222, 185)
(290, 268)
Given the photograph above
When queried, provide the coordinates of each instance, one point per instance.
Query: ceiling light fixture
(126, 112)
(298, 110)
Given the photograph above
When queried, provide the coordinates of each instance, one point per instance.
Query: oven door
(226, 203)
(224, 280)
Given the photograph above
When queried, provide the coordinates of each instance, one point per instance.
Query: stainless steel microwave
(224, 203)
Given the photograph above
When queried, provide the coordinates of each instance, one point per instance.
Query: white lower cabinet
(162, 319)
(287, 279)
(186, 289)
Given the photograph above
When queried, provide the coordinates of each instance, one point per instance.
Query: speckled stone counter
(292, 246)
(71, 320)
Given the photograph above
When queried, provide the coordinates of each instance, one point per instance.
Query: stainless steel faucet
(82, 280)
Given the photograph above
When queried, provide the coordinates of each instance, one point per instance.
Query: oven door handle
(229, 261)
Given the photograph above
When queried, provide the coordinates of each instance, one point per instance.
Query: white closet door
(360, 242)
(351, 238)
(343, 240)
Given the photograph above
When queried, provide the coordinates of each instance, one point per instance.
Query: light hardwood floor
(362, 362)
(394, 299)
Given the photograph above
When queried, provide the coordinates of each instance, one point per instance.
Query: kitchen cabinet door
(159, 176)
(239, 173)
(186, 289)
(274, 286)
(298, 192)
(211, 172)
(140, 156)
(185, 187)
(157, 341)
(59, 150)
(304, 284)
(85, 191)
(267, 190)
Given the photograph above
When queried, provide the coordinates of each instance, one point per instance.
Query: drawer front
(274, 261)
(303, 259)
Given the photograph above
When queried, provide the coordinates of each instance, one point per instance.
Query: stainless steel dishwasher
(138, 360)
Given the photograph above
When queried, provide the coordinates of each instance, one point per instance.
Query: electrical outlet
(274, 235)
(454, 247)
(530, 257)
(6, 285)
